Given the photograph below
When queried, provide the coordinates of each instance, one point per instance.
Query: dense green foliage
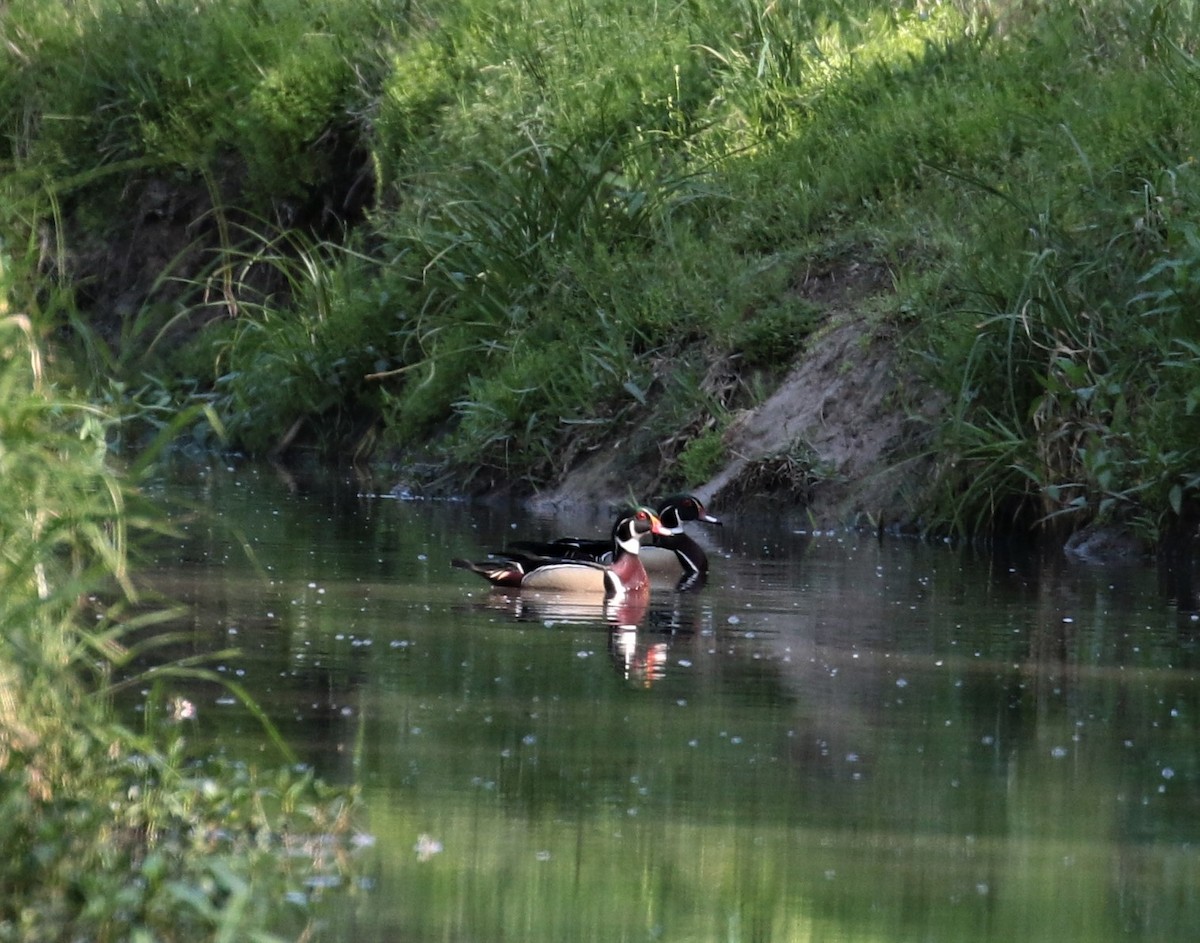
(487, 235)
(111, 833)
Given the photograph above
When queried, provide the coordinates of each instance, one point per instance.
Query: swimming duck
(674, 541)
(670, 550)
(621, 575)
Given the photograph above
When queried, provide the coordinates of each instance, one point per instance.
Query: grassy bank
(109, 832)
(487, 237)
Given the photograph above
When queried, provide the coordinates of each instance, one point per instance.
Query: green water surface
(837, 739)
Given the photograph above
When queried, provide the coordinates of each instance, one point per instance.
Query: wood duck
(670, 550)
(621, 575)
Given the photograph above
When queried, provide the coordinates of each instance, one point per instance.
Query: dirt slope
(846, 413)
(842, 436)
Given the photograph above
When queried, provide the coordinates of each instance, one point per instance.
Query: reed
(111, 832)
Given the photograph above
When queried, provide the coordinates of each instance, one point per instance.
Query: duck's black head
(678, 509)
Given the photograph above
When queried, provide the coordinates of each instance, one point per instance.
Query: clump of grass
(292, 363)
(1072, 372)
(701, 458)
(149, 86)
(792, 474)
(773, 335)
(1074, 408)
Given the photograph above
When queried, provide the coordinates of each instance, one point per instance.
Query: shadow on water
(836, 738)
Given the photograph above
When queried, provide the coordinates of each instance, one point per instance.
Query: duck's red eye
(641, 515)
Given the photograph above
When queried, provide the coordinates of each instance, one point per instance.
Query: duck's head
(680, 508)
(635, 526)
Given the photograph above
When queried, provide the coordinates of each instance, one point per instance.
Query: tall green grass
(110, 832)
(568, 234)
(1070, 359)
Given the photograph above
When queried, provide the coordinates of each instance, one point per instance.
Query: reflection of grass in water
(615, 876)
(980, 810)
(604, 825)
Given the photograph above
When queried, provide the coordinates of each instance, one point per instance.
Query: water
(837, 739)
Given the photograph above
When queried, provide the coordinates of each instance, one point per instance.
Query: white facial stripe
(630, 544)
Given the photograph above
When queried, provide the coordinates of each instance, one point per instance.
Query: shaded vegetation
(486, 237)
(112, 833)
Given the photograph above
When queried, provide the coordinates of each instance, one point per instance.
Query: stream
(838, 738)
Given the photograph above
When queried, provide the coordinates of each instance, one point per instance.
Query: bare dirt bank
(843, 436)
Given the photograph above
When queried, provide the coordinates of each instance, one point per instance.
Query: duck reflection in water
(636, 657)
(569, 608)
